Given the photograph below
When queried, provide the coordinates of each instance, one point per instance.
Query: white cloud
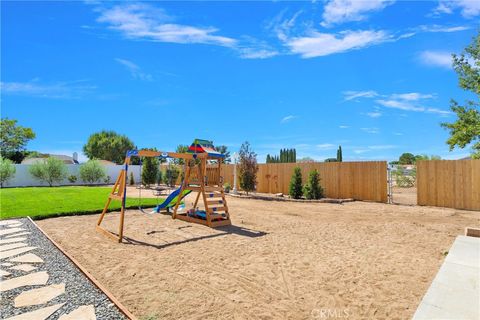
(436, 58)
(142, 21)
(257, 53)
(288, 118)
(468, 8)
(396, 104)
(382, 147)
(374, 114)
(318, 44)
(339, 11)
(57, 90)
(438, 28)
(134, 70)
(412, 96)
(351, 95)
(344, 127)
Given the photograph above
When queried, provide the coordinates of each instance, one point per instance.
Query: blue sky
(372, 76)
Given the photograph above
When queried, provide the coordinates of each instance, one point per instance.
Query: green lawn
(58, 201)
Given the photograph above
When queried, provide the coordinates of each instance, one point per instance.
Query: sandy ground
(406, 196)
(279, 260)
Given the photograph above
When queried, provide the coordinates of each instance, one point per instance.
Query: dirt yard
(279, 260)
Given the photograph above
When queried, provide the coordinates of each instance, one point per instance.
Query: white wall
(23, 178)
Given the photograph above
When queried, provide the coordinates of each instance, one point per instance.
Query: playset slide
(172, 199)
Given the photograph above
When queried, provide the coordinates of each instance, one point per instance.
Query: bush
(171, 176)
(403, 180)
(50, 170)
(160, 177)
(92, 171)
(227, 187)
(7, 170)
(295, 189)
(107, 180)
(72, 178)
(132, 180)
(149, 171)
(248, 168)
(312, 189)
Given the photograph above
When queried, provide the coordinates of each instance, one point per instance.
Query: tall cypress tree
(339, 154)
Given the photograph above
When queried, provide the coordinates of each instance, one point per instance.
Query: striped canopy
(204, 146)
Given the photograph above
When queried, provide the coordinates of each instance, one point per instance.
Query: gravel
(79, 290)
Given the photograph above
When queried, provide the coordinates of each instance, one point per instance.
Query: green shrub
(403, 180)
(72, 178)
(92, 171)
(7, 170)
(160, 176)
(149, 171)
(312, 189)
(171, 176)
(295, 189)
(107, 180)
(51, 170)
(132, 180)
(248, 167)
(227, 187)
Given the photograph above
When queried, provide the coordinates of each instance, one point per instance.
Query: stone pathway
(39, 282)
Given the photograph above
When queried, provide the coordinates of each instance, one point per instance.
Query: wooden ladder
(216, 206)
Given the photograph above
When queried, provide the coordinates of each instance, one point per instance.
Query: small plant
(295, 189)
(227, 187)
(404, 180)
(132, 180)
(7, 170)
(312, 189)
(92, 171)
(72, 178)
(107, 180)
(248, 168)
(50, 170)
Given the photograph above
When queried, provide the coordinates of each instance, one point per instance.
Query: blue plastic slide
(172, 199)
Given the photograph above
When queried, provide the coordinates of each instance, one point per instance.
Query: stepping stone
(7, 264)
(8, 222)
(81, 313)
(4, 232)
(27, 258)
(24, 267)
(15, 252)
(39, 296)
(17, 235)
(39, 314)
(32, 279)
(10, 240)
(12, 246)
(4, 273)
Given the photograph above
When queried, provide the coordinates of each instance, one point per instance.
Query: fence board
(357, 180)
(449, 183)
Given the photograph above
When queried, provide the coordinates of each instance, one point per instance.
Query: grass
(47, 202)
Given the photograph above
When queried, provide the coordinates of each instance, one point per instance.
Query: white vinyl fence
(23, 178)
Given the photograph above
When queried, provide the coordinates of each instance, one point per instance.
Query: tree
(132, 179)
(306, 159)
(108, 145)
(13, 139)
(51, 170)
(92, 171)
(7, 170)
(312, 189)
(407, 158)
(149, 171)
(224, 150)
(466, 129)
(295, 188)
(181, 148)
(331, 160)
(248, 167)
(339, 154)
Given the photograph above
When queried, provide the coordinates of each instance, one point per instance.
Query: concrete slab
(8, 222)
(24, 267)
(10, 246)
(4, 273)
(10, 240)
(81, 313)
(39, 314)
(455, 291)
(32, 279)
(39, 296)
(4, 232)
(15, 252)
(7, 264)
(27, 258)
(17, 235)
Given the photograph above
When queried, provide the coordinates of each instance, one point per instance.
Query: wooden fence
(341, 180)
(449, 183)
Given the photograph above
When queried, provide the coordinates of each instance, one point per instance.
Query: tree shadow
(244, 232)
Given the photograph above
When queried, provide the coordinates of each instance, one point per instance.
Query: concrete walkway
(455, 291)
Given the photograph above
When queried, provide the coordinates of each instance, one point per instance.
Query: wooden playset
(201, 175)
